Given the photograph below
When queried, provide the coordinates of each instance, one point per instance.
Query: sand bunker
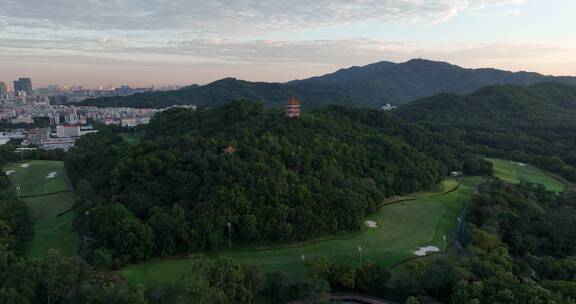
(10, 172)
(423, 251)
(52, 174)
(371, 224)
(24, 165)
(518, 164)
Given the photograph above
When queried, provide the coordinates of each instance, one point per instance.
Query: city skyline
(159, 43)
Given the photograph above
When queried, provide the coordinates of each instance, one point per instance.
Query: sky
(159, 42)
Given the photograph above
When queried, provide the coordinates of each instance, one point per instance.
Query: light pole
(460, 227)
(444, 238)
(18, 192)
(229, 235)
(302, 259)
(360, 252)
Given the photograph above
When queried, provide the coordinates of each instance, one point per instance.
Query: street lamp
(302, 259)
(360, 252)
(229, 235)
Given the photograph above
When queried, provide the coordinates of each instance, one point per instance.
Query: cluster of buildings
(61, 137)
(43, 112)
(59, 126)
(47, 119)
(22, 91)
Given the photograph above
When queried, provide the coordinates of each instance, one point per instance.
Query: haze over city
(152, 42)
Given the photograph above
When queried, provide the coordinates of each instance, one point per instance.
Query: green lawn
(49, 206)
(131, 138)
(402, 229)
(513, 172)
(46, 198)
(32, 180)
(54, 233)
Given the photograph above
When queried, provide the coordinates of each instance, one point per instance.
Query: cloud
(204, 60)
(329, 52)
(228, 16)
(242, 38)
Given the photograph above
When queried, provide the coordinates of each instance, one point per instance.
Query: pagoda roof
(229, 150)
(293, 101)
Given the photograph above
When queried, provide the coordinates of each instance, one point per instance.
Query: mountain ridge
(372, 85)
(533, 124)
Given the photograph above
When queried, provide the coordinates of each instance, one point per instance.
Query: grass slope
(33, 181)
(47, 200)
(54, 233)
(513, 172)
(402, 228)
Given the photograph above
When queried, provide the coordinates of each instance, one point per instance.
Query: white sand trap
(518, 164)
(371, 224)
(423, 251)
(10, 172)
(52, 174)
(24, 165)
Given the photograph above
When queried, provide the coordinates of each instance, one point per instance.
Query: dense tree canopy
(15, 223)
(285, 180)
(534, 124)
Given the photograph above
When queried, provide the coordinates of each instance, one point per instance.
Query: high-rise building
(67, 130)
(3, 91)
(23, 85)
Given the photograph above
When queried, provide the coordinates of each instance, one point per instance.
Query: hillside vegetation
(532, 124)
(288, 179)
(373, 86)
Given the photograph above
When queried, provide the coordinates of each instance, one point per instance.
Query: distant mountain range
(373, 85)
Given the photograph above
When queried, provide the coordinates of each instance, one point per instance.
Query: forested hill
(280, 179)
(536, 123)
(373, 85)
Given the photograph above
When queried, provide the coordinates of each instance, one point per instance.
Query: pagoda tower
(293, 107)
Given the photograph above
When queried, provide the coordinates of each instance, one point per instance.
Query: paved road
(353, 298)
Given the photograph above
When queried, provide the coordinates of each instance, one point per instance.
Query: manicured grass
(54, 233)
(49, 206)
(131, 138)
(402, 229)
(33, 181)
(513, 172)
(46, 198)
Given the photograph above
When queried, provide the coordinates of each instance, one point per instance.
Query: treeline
(15, 223)
(519, 249)
(283, 180)
(56, 279)
(369, 86)
(8, 154)
(220, 92)
(531, 124)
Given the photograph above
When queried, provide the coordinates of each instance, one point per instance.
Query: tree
(115, 227)
(113, 294)
(276, 287)
(251, 281)
(314, 291)
(59, 276)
